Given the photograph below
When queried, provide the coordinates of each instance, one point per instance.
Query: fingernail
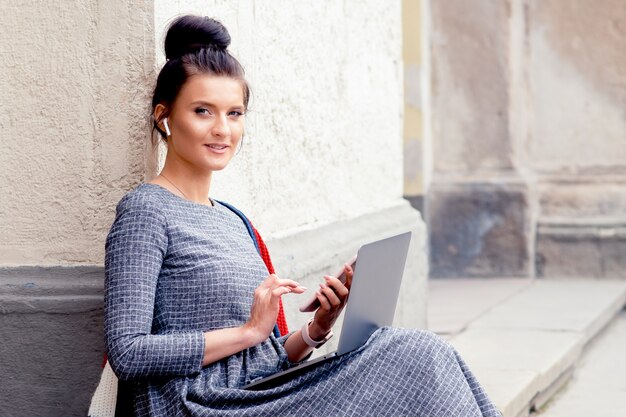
(322, 285)
(304, 288)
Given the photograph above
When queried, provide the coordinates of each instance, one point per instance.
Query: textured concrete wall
(324, 135)
(72, 124)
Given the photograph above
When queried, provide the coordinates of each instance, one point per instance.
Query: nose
(220, 127)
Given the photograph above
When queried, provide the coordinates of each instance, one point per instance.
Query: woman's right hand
(266, 304)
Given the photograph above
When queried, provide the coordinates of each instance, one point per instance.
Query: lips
(217, 148)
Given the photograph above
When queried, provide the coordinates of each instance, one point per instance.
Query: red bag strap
(281, 321)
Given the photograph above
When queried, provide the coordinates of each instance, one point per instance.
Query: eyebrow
(208, 104)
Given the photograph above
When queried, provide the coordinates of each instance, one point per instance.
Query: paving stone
(583, 306)
(454, 303)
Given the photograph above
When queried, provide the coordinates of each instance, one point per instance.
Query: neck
(193, 184)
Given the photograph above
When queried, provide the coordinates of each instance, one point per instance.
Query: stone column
(478, 202)
(74, 89)
(577, 97)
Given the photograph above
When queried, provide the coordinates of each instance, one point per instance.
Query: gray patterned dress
(175, 269)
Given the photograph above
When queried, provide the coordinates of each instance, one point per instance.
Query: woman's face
(206, 122)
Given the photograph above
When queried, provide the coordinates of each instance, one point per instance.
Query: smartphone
(313, 304)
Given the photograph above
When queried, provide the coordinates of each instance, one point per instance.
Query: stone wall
(528, 129)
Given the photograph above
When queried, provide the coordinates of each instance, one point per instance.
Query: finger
(296, 290)
(269, 281)
(287, 283)
(324, 304)
(349, 275)
(339, 288)
(280, 291)
(330, 295)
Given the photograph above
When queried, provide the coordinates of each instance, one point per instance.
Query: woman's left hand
(332, 295)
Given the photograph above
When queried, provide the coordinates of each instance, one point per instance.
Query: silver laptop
(371, 304)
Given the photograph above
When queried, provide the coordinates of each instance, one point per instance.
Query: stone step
(522, 338)
(598, 385)
(590, 247)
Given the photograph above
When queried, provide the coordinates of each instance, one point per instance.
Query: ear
(159, 116)
(159, 113)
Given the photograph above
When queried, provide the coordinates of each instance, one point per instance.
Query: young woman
(190, 306)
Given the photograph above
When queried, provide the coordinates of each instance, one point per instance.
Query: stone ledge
(51, 289)
(595, 227)
(51, 322)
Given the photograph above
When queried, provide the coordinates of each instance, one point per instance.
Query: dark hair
(194, 45)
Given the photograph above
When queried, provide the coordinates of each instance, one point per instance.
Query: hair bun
(191, 33)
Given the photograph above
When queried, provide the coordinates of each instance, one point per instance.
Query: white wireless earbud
(167, 127)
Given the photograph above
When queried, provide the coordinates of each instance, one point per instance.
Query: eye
(236, 114)
(202, 111)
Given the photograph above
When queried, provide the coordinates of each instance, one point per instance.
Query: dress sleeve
(135, 248)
